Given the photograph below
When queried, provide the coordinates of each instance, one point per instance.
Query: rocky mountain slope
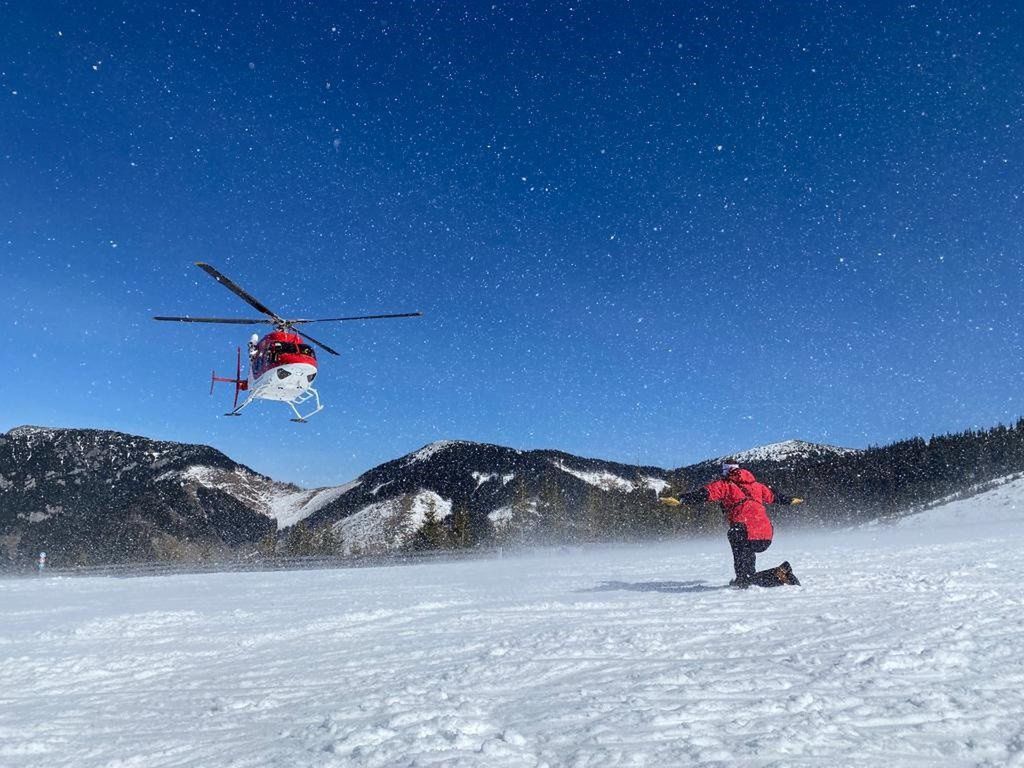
(481, 492)
(87, 495)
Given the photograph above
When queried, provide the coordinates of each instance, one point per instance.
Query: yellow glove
(797, 501)
(669, 501)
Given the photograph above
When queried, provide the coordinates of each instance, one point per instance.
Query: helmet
(727, 467)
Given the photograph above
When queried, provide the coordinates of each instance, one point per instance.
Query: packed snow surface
(903, 648)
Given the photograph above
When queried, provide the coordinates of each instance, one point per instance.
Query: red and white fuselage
(282, 366)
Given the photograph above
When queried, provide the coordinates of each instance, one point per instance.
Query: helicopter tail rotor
(241, 385)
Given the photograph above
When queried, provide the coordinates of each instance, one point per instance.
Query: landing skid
(302, 398)
(238, 410)
(306, 396)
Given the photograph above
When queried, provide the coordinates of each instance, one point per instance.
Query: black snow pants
(744, 551)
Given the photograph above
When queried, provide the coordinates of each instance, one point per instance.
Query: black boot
(786, 575)
(778, 576)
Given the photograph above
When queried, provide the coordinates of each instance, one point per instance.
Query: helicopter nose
(294, 376)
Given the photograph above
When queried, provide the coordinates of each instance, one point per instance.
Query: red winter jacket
(744, 500)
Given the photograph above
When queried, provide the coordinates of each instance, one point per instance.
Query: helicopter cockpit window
(305, 349)
(279, 348)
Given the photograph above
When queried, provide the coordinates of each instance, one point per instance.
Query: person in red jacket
(744, 501)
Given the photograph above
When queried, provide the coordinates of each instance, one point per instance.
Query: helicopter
(282, 365)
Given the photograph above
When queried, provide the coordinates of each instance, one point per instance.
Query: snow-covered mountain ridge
(85, 491)
(498, 490)
(785, 450)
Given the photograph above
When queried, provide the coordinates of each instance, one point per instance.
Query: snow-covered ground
(904, 647)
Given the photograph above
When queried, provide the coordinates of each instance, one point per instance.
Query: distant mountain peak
(28, 430)
(787, 449)
(431, 449)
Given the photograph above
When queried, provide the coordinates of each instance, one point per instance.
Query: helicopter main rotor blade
(238, 291)
(360, 317)
(232, 321)
(320, 344)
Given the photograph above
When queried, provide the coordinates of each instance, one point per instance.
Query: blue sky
(651, 233)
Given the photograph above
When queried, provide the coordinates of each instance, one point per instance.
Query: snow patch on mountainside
(289, 509)
(603, 479)
(390, 524)
(656, 484)
(500, 516)
(787, 449)
(249, 488)
(200, 474)
(280, 501)
(609, 481)
(426, 501)
(483, 477)
(486, 477)
(524, 513)
(283, 503)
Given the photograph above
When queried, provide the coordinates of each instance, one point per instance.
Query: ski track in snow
(903, 648)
